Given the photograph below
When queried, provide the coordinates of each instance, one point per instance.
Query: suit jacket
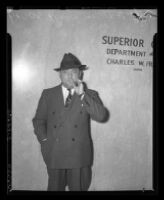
(67, 129)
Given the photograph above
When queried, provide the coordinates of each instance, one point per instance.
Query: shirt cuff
(44, 139)
(82, 95)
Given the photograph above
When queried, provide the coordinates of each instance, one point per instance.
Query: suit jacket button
(53, 113)
(75, 126)
(73, 139)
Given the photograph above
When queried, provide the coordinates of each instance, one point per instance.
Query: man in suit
(62, 126)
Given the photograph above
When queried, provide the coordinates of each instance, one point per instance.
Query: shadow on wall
(106, 118)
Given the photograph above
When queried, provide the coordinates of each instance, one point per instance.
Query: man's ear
(81, 74)
(60, 74)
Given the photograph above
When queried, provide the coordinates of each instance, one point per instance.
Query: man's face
(69, 77)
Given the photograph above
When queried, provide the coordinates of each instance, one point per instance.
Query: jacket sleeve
(40, 119)
(94, 105)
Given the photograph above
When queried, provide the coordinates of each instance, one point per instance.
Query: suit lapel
(57, 99)
(64, 111)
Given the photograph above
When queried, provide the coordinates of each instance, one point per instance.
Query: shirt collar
(65, 90)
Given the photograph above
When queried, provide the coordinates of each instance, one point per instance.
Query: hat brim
(81, 67)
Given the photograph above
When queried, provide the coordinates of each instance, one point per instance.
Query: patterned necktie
(68, 99)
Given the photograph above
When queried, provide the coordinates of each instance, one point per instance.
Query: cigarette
(77, 83)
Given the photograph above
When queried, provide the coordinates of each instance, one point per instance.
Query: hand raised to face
(70, 78)
(79, 87)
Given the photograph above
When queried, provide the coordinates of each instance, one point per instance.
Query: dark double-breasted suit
(67, 129)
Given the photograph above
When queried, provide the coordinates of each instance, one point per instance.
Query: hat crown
(70, 60)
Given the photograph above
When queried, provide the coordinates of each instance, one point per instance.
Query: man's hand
(79, 87)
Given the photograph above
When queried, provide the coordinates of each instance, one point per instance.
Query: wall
(123, 145)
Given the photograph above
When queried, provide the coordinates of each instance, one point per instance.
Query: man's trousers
(77, 179)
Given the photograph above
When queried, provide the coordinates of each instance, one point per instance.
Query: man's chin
(68, 86)
(71, 87)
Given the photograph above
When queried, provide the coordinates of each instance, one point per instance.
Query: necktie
(68, 99)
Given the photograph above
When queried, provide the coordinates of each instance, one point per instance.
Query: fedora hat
(70, 61)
